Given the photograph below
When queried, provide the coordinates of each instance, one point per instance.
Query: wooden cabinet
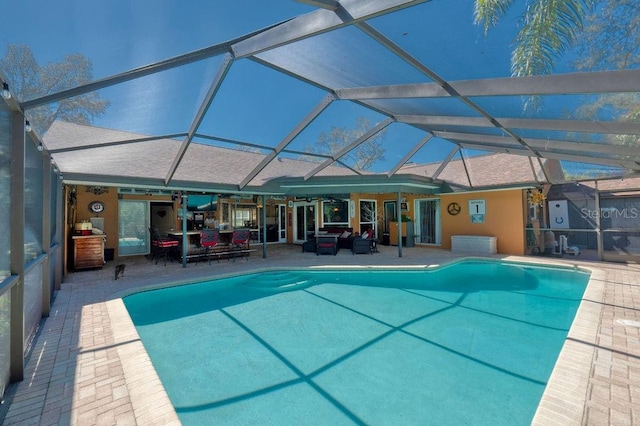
(88, 251)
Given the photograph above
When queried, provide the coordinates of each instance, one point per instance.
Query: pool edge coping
(563, 398)
(149, 399)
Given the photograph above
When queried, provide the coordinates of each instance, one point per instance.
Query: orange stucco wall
(110, 214)
(110, 199)
(504, 219)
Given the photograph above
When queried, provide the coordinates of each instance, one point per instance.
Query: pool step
(285, 280)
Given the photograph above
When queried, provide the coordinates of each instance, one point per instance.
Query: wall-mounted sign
(477, 207)
(558, 214)
(477, 218)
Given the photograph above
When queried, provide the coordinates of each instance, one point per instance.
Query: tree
(611, 37)
(548, 28)
(611, 40)
(606, 36)
(31, 81)
(363, 156)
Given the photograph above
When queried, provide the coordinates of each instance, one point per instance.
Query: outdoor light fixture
(5, 91)
(27, 128)
(40, 147)
(97, 190)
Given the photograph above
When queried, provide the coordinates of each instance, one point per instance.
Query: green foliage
(31, 81)
(361, 157)
(489, 12)
(611, 37)
(548, 28)
(611, 40)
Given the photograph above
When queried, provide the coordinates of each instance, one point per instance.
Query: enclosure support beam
(16, 235)
(399, 223)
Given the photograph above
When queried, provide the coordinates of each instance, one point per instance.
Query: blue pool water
(471, 343)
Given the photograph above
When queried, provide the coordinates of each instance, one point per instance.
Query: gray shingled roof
(104, 157)
(213, 167)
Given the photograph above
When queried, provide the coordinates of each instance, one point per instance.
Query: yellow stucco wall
(504, 219)
(110, 214)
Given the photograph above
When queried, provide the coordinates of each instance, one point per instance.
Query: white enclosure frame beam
(544, 145)
(176, 61)
(605, 127)
(397, 50)
(324, 103)
(335, 157)
(410, 154)
(619, 81)
(444, 163)
(321, 4)
(317, 22)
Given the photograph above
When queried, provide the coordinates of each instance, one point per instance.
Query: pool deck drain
(88, 365)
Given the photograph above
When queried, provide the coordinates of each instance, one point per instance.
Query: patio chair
(328, 245)
(310, 244)
(362, 246)
(161, 246)
(240, 242)
(209, 238)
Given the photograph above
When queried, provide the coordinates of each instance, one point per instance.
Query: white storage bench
(476, 244)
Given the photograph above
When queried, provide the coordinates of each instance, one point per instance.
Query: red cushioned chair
(162, 247)
(209, 238)
(240, 242)
(328, 245)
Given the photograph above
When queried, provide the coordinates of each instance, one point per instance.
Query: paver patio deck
(88, 365)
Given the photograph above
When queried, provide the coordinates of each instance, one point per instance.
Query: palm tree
(548, 29)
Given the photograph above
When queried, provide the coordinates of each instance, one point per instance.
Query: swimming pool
(473, 342)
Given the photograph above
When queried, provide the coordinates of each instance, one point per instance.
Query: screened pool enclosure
(296, 98)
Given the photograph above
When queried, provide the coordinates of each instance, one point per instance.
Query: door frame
(438, 219)
(281, 220)
(296, 206)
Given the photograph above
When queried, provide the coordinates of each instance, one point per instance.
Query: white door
(369, 216)
(282, 223)
(304, 220)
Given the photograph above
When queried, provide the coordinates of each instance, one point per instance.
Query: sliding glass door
(133, 227)
(304, 221)
(428, 221)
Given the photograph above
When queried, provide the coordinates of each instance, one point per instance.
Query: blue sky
(256, 104)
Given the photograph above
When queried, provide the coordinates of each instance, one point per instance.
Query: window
(133, 224)
(368, 216)
(335, 212)
(246, 217)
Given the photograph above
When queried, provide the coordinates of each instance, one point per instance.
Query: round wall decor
(453, 208)
(96, 207)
